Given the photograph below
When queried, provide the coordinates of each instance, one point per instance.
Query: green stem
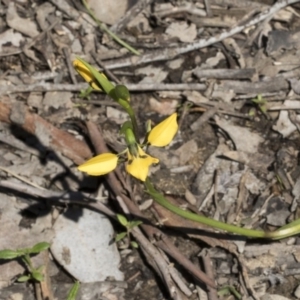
(27, 260)
(104, 28)
(283, 232)
(121, 95)
(287, 230)
(131, 114)
(229, 290)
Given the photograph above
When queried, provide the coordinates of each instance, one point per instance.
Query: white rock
(184, 32)
(153, 74)
(243, 138)
(76, 46)
(176, 63)
(297, 292)
(9, 35)
(58, 99)
(116, 115)
(284, 125)
(82, 245)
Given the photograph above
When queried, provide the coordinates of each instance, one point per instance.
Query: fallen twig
(47, 87)
(212, 293)
(69, 64)
(48, 135)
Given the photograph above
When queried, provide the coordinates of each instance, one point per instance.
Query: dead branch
(224, 73)
(50, 136)
(47, 87)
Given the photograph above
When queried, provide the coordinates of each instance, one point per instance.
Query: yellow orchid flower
(163, 133)
(138, 165)
(138, 162)
(85, 73)
(100, 164)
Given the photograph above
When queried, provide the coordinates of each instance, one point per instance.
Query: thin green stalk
(160, 199)
(127, 107)
(283, 232)
(121, 94)
(287, 230)
(26, 259)
(104, 28)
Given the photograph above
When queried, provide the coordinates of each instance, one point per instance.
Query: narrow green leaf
(264, 108)
(227, 290)
(37, 248)
(122, 219)
(85, 94)
(26, 259)
(251, 112)
(134, 244)
(23, 278)
(135, 224)
(74, 291)
(38, 276)
(120, 236)
(40, 269)
(24, 251)
(8, 254)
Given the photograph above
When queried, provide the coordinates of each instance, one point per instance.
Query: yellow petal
(138, 167)
(163, 133)
(100, 164)
(84, 72)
